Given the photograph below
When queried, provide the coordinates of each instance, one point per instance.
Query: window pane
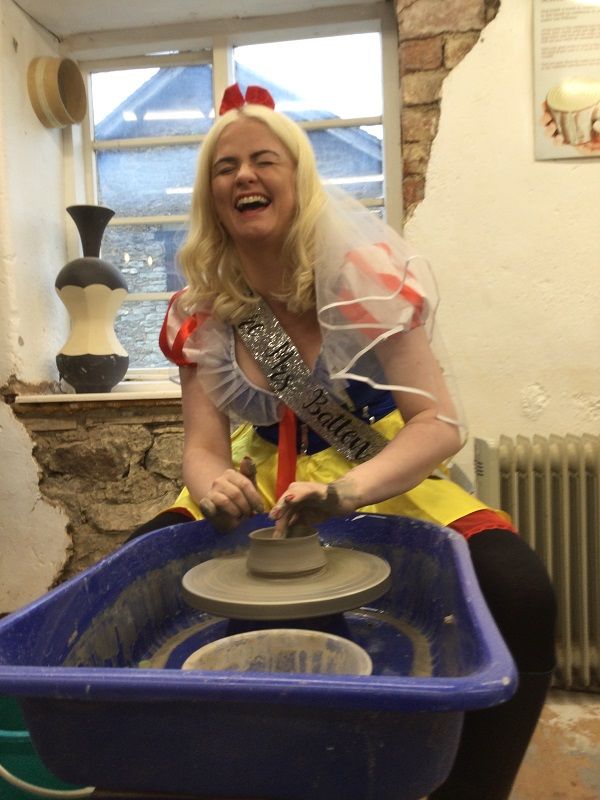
(146, 255)
(137, 327)
(152, 102)
(147, 181)
(350, 158)
(378, 211)
(328, 76)
(340, 77)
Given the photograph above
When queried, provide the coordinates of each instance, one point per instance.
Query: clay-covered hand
(233, 497)
(303, 504)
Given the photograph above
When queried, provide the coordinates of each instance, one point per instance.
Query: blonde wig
(208, 258)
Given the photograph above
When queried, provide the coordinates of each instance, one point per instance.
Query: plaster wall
(33, 541)
(515, 247)
(32, 226)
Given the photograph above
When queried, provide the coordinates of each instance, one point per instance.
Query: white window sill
(126, 390)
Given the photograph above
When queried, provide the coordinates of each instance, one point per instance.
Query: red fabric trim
(174, 352)
(391, 282)
(163, 337)
(479, 521)
(190, 325)
(286, 452)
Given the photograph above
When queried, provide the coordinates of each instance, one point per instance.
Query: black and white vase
(92, 359)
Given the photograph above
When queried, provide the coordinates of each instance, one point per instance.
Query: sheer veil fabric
(371, 286)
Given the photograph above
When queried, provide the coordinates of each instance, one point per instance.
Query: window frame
(214, 43)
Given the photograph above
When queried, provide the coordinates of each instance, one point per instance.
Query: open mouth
(252, 202)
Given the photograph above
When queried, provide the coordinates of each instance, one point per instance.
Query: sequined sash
(291, 380)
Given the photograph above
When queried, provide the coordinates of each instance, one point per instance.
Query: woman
(281, 273)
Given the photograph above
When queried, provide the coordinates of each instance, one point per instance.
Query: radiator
(550, 486)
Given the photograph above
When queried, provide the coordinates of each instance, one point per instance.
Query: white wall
(33, 539)
(32, 211)
(515, 245)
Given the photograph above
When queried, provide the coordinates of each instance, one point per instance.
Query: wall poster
(566, 78)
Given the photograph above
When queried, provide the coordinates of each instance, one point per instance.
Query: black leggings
(517, 589)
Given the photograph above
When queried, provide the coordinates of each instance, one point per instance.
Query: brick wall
(434, 36)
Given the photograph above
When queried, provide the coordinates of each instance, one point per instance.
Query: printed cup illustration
(575, 108)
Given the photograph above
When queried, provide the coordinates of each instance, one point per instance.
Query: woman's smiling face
(253, 184)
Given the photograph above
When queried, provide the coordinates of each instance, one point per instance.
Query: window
(150, 113)
(337, 96)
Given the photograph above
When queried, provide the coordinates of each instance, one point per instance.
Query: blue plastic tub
(18, 755)
(94, 665)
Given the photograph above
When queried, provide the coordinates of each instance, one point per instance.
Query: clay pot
(56, 91)
(297, 556)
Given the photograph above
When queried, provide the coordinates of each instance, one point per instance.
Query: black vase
(92, 359)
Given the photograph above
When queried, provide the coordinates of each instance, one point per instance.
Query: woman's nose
(245, 172)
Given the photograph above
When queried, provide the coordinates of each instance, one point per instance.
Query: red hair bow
(233, 98)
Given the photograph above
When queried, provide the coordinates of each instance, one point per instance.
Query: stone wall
(110, 465)
(434, 35)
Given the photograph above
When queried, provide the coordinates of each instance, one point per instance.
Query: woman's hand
(304, 504)
(233, 497)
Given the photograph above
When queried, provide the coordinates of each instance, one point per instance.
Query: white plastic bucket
(283, 650)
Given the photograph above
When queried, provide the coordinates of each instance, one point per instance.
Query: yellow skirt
(436, 500)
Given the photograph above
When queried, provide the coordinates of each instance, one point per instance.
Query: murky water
(396, 647)
(114, 638)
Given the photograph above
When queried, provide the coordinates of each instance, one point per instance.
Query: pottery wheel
(225, 587)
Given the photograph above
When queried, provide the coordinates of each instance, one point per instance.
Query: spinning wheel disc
(225, 587)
